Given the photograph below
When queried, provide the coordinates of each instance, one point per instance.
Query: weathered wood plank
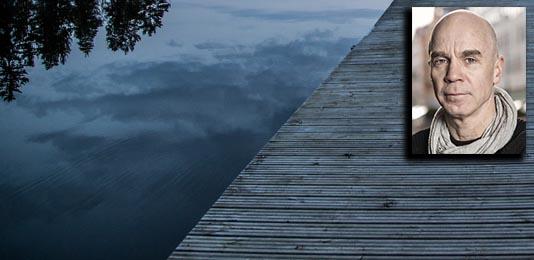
(213, 254)
(392, 179)
(364, 231)
(362, 203)
(360, 246)
(371, 216)
(357, 190)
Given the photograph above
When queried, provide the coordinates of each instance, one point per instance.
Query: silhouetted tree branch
(86, 19)
(44, 29)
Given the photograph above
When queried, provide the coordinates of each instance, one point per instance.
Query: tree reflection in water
(44, 29)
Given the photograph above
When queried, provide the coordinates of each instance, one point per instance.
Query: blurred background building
(509, 24)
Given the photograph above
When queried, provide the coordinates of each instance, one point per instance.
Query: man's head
(465, 64)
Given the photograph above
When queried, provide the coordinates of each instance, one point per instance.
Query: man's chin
(458, 113)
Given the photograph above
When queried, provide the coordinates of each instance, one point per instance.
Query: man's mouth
(455, 94)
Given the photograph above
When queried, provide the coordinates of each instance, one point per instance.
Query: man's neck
(472, 126)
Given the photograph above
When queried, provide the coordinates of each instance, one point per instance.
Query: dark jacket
(515, 146)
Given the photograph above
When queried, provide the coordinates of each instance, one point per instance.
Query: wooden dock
(335, 181)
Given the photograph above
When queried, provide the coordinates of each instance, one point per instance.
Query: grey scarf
(496, 136)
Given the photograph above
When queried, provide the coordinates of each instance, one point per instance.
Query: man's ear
(498, 70)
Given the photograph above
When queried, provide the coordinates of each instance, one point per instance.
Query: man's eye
(439, 61)
(470, 60)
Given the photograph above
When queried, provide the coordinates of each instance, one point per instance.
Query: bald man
(475, 116)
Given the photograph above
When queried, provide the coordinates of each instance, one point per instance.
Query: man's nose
(454, 71)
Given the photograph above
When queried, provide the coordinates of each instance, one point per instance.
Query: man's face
(464, 68)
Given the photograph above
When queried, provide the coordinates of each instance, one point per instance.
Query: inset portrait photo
(468, 91)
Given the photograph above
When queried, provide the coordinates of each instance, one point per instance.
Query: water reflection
(43, 29)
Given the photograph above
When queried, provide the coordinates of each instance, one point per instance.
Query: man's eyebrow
(435, 54)
(468, 53)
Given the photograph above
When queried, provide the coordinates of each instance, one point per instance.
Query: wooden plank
(424, 247)
(350, 179)
(371, 203)
(409, 170)
(185, 254)
(364, 231)
(371, 216)
(357, 190)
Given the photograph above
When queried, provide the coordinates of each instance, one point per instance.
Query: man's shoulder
(516, 145)
(521, 126)
(420, 142)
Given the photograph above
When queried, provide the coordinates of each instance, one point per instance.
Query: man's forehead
(462, 31)
(460, 43)
(465, 53)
